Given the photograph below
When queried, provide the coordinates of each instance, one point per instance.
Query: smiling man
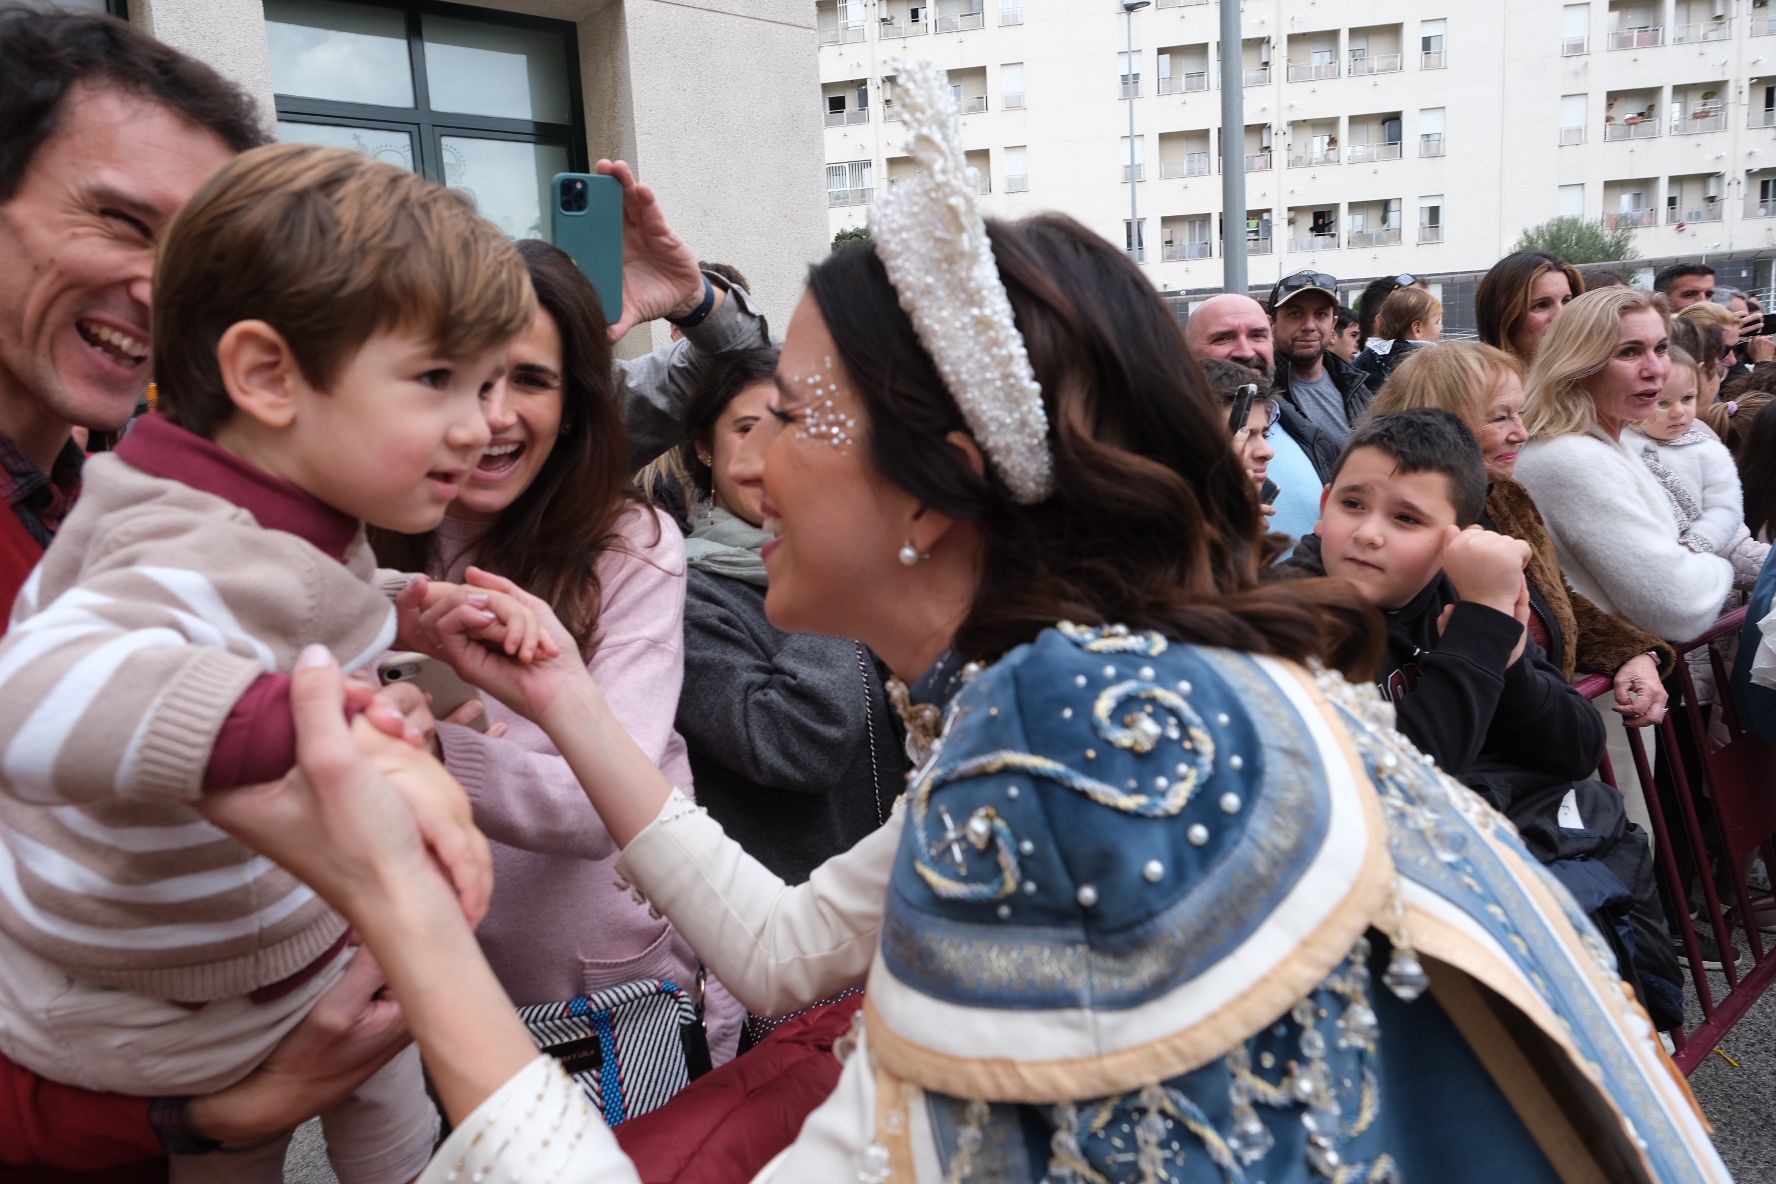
(108, 134)
(1322, 386)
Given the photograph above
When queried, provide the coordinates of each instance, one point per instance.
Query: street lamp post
(1137, 247)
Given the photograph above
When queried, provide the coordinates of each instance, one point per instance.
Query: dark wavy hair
(1502, 300)
(44, 55)
(709, 397)
(1756, 455)
(1153, 522)
(549, 540)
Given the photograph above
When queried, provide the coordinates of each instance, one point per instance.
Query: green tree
(1579, 241)
(853, 234)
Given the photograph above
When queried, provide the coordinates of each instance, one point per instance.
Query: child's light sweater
(147, 661)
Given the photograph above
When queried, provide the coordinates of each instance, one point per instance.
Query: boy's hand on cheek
(1486, 567)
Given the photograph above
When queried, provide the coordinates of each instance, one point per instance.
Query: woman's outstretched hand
(529, 688)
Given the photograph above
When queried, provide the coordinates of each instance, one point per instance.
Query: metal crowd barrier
(1726, 811)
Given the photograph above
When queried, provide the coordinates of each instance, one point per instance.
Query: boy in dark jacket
(1470, 686)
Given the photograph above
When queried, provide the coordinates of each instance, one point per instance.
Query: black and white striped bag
(631, 1047)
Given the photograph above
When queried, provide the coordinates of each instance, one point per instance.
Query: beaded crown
(931, 238)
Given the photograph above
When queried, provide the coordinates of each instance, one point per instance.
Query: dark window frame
(427, 126)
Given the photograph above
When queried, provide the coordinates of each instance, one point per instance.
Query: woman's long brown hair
(550, 539)
(1153, 523)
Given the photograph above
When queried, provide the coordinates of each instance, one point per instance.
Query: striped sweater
(147, 661)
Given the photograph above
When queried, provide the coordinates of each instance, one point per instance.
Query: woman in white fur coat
(1600, 368)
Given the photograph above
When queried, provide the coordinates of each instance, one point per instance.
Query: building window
(848, 183)
(1430, 44)
(1131, 158)
(1569, 201)
(485, 102)
(1430, 218)
(1134, 239)
(1017, 169)
(1011, 86)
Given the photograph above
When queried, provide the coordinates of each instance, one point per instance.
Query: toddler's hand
(440, 809)
(1486, 567)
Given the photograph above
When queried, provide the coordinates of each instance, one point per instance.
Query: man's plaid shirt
(41, 500)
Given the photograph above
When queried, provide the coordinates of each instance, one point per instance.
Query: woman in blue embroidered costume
(1167, 900)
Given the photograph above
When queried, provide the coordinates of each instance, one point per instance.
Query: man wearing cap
(1233, 327)
(1330, 392)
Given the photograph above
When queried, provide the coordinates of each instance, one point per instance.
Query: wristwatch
(167, 1117)
(699, 314)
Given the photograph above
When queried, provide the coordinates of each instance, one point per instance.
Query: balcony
(1706, 212)
(1760, 207)
(1258, 162)
(972, 105)
(1183, 84)
(847, 118)
(1430, 144)
(1010, 14)
(1574, 47)
(962, 22)
(1721, 30)
(841, 35)
(848, 197)
(1761, 118)
(1642, 38)
(1429, 234)
(1194, 164)
(1310, 157)
(1365, 153)
(1314, 242)
(1710, 117)
(1011, 100)
(893, 27)
(1380, 63)
(1258, 246)
(1017, 182)
(1134, 172)
(1299, 72)
(1630, 218)
(1386, 237)
(1572, 135)
(1433, 59)
(1632, 128)
(1178, 252)
(1256, 77)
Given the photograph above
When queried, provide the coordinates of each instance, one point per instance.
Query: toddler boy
(325, 328)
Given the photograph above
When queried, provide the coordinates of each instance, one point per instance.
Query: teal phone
(586, 221)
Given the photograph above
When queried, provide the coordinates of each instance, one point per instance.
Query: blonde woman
(1483, 387)
(1410, 319)
(1600, 368)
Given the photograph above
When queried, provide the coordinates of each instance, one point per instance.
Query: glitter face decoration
(818, 416)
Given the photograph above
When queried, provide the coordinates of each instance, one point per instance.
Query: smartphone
(435, 678)
(1268, 493)
(586, 221)
(1769, 326)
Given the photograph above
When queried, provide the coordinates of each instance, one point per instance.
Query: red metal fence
(1725, 798)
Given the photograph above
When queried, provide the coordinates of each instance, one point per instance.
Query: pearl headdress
(929, 234)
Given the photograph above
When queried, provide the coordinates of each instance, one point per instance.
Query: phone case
(592, 236)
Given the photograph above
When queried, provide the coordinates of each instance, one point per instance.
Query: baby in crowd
(1699, 475)
(325, 328)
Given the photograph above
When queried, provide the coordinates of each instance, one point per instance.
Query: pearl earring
(910, 555)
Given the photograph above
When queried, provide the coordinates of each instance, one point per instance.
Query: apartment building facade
(1394, 135)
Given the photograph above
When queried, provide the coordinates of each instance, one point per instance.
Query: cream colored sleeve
(776, 947)
(536, 1128)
